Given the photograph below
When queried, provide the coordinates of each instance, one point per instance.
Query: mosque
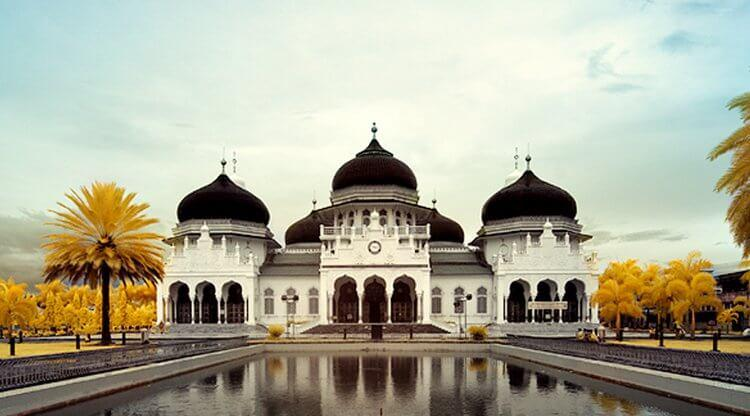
(375, 255)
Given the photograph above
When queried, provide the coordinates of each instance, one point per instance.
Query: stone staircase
(338, 329)
(539, 329)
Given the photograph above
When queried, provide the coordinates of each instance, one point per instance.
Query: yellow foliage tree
(693, 288)
(103, 239)
(16, 306)
(617, 293)
(727, 317)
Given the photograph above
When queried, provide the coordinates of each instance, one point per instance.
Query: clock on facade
(374, 247)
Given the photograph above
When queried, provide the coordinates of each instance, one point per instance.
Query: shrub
(275, 331)
(478, 333)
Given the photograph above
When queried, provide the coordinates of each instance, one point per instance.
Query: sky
(619, 103)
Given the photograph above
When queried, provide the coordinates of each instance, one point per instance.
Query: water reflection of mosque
(325, 384)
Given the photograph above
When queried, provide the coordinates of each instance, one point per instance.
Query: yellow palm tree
(727, 317)
(103, 239)
(16, 306)
(656, 293)
(736, 180)
(617, 293)
(691, 296)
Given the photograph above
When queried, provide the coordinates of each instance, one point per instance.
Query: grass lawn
(725, 345)
(28, 349)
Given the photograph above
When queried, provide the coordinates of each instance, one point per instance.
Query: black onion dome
(306, 230)
(374, 166)
(529, 196)
(443, 228)
(223, 199)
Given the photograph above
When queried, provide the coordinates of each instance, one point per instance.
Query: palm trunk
(106, 334)
(692, 324)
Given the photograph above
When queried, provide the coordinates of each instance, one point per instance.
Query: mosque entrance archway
(346, 301)
(183, 308)
(375, 305)
(573, 295)
(404, 300)
(517, 301)
(209, 304)
(235, 304)
(544, 293)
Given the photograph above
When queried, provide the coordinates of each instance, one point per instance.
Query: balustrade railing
(28, 371)
(415, 230)
(730, 368)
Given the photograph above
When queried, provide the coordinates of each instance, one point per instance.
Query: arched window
(291, 307)
(351, 218)
(312, 303)
(408, 219)
(437, 301)
(340, 221)
(366, 218)
(481, 300)
(398, 218)
(458, 294)
(268, 301)
(383, 217)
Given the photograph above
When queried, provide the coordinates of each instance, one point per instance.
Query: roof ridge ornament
(374, 148)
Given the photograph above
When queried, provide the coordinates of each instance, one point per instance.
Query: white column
(499, 302)
(360, 304)
(192, 308)
(200, 310)
(388, 307)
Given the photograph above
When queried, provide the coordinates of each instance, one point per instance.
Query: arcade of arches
(521, 293)
(206, 306)
(375, 303)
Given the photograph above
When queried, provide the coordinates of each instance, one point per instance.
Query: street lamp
(290, 300)
(461, 301)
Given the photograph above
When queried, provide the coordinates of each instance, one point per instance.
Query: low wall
(48, 396)
(731, 397)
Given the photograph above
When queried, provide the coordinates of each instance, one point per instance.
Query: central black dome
(306, 230)
(442, 228)
(374, 166)
(223, 199)
(529, 196)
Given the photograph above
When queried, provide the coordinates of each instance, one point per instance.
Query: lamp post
(290, 300)
(461, 301)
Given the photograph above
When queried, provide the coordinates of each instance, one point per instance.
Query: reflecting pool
(383, 383)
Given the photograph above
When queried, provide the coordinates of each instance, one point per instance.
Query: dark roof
(223, 199)
(458, 263)
(291, 264)
(374, 166)
(529, 196)
(443, 228)
(306, 230)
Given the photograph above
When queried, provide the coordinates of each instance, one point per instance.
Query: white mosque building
(375, 255)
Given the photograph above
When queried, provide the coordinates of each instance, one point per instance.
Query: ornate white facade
(376, 255)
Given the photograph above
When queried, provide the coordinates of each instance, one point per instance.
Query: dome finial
(434, 198)
(314, 200)
(234, 162)
(528, 157)
(223, 166)
(516, 158)
(374, 129)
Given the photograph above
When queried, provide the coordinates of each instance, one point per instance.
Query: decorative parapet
(205, 256)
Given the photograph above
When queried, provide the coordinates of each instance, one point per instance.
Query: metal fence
(730, 368)
(28, 371)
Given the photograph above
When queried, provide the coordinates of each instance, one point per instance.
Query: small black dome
(306, 230)
(374, 166)
(222, 199)
(529, 196)
(443, 228)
